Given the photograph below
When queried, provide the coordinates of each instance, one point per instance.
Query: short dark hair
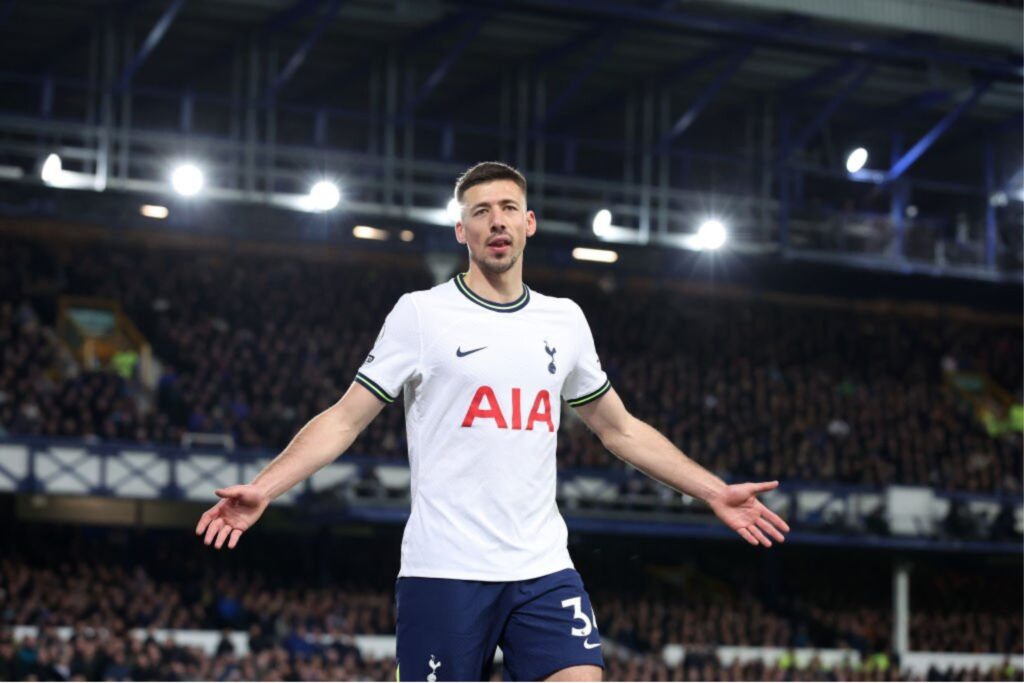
(486, 172)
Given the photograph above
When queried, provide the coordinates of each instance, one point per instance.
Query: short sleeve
(587, 381)
(395, 355)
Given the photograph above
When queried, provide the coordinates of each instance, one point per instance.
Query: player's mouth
(499, 245)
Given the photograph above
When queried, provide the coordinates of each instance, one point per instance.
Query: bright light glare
(856, 160)
(454, 210)
(598, 255)
(154, 211)
(365, 232)
(407, 235)
(53, 171)
(602, 221)
(324, 196)
(187, 180)
(711, 234)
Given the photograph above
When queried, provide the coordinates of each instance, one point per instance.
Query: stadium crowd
(300, 599)
(172, 586)
(88, 655)
(107, 655)
(254, 346)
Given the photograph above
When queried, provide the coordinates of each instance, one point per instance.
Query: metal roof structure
(660, 110)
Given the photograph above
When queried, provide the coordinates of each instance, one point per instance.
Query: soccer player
(481, 361)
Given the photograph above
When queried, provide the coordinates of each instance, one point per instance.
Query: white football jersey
(481, 383)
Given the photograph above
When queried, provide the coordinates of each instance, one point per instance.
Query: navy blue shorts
(448, 629)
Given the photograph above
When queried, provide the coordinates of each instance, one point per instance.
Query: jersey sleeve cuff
(374, 388)
(592, 396)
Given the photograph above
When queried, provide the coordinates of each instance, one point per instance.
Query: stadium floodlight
(365, 232)
(187, 180)
(856, 160)
(454, 210)
(711, 235)
(324, 196)
(154, 211)
(602, 221)
(52, 172)
(597, 255)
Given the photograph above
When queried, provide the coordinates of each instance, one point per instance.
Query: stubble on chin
(496, 266)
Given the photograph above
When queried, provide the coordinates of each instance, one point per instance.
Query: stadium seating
(254, 346)
(169, 580)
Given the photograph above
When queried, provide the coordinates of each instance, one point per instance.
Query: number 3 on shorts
(577, 613)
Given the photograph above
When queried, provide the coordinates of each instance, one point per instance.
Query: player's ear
(531, 223)
(460, 233)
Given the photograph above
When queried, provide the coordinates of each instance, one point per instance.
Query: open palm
(739, 508)
(239, 508)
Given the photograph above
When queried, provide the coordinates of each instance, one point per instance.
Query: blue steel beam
(300, 54)
(418, 38)
(544, 60)
(156, 34)
(596, 59)
(279, 21)
(608, 38)
(702, 59)
(969, 132)
(65, 47)
(822, 77)
(426, 34)
(830, 108)
(838, 71)
(929, 138)
(557, 53)
(549, 57)
(704, 99)
(441, 71)
(891, 116)
(1012, 67)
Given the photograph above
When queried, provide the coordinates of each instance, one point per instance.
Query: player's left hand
(739, 508)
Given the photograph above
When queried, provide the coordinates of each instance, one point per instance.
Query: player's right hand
(238, 510)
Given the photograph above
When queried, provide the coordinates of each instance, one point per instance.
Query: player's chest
(527, 353)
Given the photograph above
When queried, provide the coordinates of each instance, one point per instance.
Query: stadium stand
(107, 617)
(253, 347)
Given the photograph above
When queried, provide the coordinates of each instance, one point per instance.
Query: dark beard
(496, 267)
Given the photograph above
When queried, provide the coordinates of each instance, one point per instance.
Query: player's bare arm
(317, 444)
(643, 447)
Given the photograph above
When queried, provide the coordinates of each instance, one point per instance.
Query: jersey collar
(511, 307)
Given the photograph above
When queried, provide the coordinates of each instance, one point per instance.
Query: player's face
(494, 224)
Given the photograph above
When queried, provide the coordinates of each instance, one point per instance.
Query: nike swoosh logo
(590, 646)
(460, 353)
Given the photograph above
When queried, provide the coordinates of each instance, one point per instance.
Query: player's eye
(511, 207)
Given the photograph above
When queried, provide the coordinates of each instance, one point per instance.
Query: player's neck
(500, 288)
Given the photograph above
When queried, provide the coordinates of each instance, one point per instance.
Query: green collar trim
(511, 307)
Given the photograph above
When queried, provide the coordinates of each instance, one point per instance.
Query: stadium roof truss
(657, 110)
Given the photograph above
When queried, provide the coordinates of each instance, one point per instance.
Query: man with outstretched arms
(482, 362)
